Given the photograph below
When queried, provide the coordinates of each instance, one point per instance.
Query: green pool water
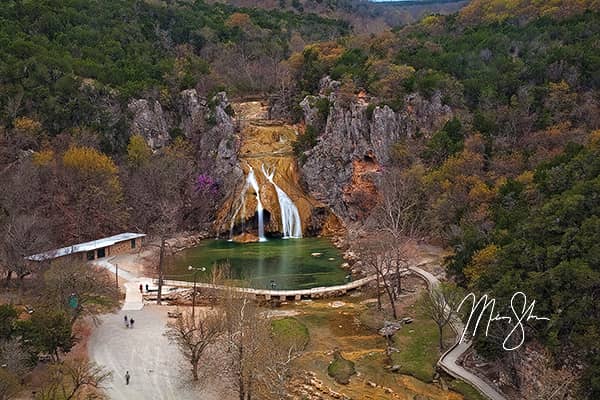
(287, 262)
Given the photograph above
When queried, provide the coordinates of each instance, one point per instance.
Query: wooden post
(117, 275)
(194, 300)
(160, 270)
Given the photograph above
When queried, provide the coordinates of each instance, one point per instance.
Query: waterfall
(290, 217)
(241, 207)
(250, 181)
(259, 207)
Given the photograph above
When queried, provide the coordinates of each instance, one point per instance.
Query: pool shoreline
(286, 264)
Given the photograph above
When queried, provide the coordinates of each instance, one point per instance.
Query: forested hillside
(486, 11)
(509, 181)
(482, 127)
(60, 59)
(364, 16)
(544, 242)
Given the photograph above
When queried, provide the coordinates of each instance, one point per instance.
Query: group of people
(128, 322)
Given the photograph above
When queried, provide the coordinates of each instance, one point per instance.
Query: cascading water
(259, 207)
(241, 207)
(250, 181)
(290, 217)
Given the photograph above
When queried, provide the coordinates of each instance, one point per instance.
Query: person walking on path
(126, 321)
(141, 288)
(131, 321)
(127, 377)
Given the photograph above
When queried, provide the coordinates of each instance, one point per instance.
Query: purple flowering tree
(206, 184)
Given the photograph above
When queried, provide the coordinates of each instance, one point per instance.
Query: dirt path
(157, 369)
(153, 363)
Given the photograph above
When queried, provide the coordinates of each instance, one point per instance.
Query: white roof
(87, 246)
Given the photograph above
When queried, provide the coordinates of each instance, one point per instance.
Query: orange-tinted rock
(245, 238)
(362, 192)
(332, 226)
(268, 144)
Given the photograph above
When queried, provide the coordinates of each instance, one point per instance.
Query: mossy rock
(290, 331)
(341, 369)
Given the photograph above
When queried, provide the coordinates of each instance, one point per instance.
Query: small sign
(73, 301)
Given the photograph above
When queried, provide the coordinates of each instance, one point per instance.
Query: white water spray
(250, 181)
(290, 217)
(259, 207)
(241, 207)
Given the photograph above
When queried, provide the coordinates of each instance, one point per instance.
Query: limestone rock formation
(150, 121)
(188, 113)
(219, 143)
(266, 148)
(211, 127)
(191, 110)
(354, 144)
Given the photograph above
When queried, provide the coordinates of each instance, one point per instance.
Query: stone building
(96, 249)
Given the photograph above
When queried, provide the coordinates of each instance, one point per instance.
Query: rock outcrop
(150, 121)
(187, 114)
(208, 125)
(219, 143)
(267, 148)
(356, 142)
(192, 112)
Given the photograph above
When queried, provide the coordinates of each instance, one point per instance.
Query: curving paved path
(448, 360)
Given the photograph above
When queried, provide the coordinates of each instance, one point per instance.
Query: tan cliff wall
(268, 144)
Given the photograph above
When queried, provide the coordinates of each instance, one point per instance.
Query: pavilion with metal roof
(100, 248)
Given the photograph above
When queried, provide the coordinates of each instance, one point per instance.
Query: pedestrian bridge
(283, 295)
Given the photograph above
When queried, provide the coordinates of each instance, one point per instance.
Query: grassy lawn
(290, 329)
(419, 348)
(468, 391)
(419, 353)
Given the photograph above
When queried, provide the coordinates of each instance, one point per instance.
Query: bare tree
(20, 237)
(193, 335)
(279, 354)
(13, 364)
(260, 363)
(13, 358)
(555, 384)
(440, 304)
(69, 379)
(386, 258)
(220, 273)
(250, 356)
(400, 211)
(161, 191)
(9, 385)
(92, 287)
(246, 330)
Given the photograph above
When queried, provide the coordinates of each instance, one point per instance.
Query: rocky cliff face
(187, 115)
(218, 141)
(355, 143)
(150, 121)
(208, 125)
(266, 148)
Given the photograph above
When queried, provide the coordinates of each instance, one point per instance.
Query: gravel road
(154, 364)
